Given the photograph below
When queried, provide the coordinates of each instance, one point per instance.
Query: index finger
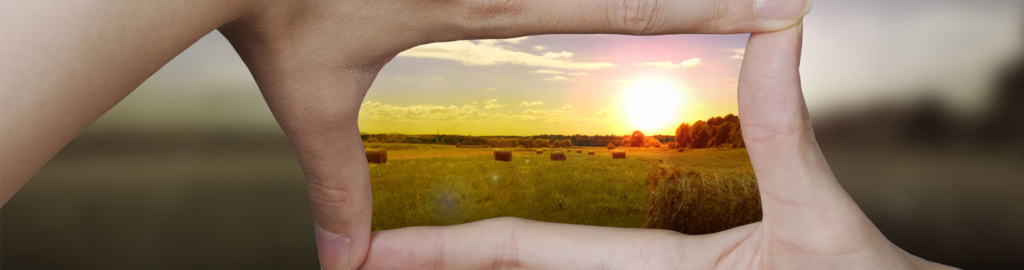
(498, 18)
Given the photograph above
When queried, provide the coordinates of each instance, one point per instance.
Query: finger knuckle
(491, 8)
(479, 14)
(507, 256)
(722, 16)
(331, 195)
(777, 131)
(635, 17)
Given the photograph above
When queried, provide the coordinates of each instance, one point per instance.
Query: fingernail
(781, 9)
(333, 250)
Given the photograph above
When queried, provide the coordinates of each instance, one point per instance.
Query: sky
(856, 54)
(556, 84)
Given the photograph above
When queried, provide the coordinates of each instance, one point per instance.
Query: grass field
(697, 191)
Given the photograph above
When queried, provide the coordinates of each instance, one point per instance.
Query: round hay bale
(618, 154)
(557, 155)
(579, 151)
(591, 152)
(502, 154)
(540, 151)
(378, 155)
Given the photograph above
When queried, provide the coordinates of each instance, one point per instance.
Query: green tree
(699, 134)
(721, 135)
(637, 139)
(652, 142)
(737, 137)
(683, 135)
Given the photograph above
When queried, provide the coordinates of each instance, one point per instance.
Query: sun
(653, 103)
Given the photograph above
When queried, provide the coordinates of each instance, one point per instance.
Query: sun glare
(652, 104)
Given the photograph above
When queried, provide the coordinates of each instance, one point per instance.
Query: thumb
(316, 101)
(808, 217)
(319, 115)
(798, 191)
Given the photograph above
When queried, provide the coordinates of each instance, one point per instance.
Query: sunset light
(653, 103)
(529, 86)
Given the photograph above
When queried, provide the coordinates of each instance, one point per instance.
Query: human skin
(809, 221)
(65, 63)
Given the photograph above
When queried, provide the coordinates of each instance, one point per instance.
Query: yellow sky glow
(653, 103)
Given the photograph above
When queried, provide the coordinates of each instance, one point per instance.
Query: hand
(809, 220)
(315, 60)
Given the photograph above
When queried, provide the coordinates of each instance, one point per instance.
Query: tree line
(716, 132)
(538, 141)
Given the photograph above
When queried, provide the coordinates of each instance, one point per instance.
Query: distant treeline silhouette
(929, 122)
(538, 141)
(716, 132)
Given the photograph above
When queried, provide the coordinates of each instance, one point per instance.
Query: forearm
(65, 63)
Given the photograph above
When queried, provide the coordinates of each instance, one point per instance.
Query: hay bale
(578, 151)
(502, 154)
(540, 151)
(379, 156)
(591, 152)
(557, 155)
(619, 154)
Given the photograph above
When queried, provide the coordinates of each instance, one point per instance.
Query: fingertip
(333, 249)
(782, 9)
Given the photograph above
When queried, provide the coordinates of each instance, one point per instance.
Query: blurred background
(918, 106)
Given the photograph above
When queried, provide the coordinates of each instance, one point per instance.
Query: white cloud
(690, 63)
(547, 71)
(670, 65)
(377, 110)
(496, 41)
(566, 113)
(738, 53)
(531, 103)
(666, 64)
(489, 88)
(486, 53)
(538, 47)
(435, 78)
(488, 42)
(610, 112)
(492, 104)
(557, 78)
(559, 55)
(581, 73)
(468, 114)
(515, 40)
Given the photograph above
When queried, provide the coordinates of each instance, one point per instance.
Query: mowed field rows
(437, 185)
